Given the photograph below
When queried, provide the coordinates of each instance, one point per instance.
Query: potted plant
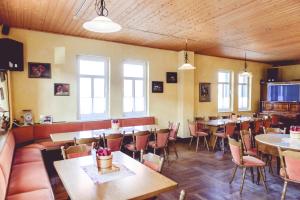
(104, 158)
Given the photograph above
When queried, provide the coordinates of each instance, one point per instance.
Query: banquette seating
(22, 172)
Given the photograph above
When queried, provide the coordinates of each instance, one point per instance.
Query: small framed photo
(46, 119)
(204, 92)
(61, 89)
(39, 70)
(171, 77)
(157, 87)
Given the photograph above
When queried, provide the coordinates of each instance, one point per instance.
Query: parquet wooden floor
(206, 178)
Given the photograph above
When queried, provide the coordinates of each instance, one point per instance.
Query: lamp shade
(102, 24)
(186, 66)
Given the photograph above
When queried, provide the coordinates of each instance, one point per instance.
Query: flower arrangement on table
(295, 132)
(115, 124)
(104, 158)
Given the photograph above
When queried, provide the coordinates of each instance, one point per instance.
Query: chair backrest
(274, 130)
(182, 195)
(267, 123)
(162, 137)
(229, 129)
(275, 119)
(290, 162)
(88, 141)
(75, 151)
(236, 150)
(153, 161)
(141, 140)
(174, 127)
(245, 125)
(192, 128)
(246, 139)
(257, 125)
(113, 141)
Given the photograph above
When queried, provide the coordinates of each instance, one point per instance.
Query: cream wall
(207, 71)
(37, 94)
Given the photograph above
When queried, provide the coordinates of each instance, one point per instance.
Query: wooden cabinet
(287, 109)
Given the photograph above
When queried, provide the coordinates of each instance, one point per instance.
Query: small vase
(104, 162)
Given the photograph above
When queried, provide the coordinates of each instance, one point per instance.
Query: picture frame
(204, 92)
(171, 77)
(39, 70)
(27, 117)
(157, 87)
(61, 89)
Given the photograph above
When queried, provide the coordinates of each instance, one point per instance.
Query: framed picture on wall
(39, 70)
(61, 89)
(204, 92)
(171, 77)
(157, 87)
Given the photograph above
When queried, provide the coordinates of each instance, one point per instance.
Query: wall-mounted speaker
(11, 55)
(5, 29)
(272, 75)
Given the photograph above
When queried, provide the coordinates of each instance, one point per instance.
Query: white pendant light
(186, 65)
(245, 72)
(101, 24)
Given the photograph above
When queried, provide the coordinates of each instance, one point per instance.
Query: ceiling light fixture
(101, 24)
(186, 65)
(245, 72)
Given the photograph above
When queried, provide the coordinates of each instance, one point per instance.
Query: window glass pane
(90, 67)
(85, 87)
(128, 88)
(243, 79)
(139, 88)
(139, 104)
(128, 104)
(133, 70)
(85, 105)
(224, 76)
(99, 88)
(99, 105)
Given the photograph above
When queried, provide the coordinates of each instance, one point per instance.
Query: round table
(269, 143)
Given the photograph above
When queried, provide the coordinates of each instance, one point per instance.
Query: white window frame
(248, 108)
(230, 90)
(145, 67)
(93, 116)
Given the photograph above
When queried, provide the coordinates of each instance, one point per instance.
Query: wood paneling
(267, 30)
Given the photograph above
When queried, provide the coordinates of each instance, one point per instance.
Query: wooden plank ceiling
(268, 30)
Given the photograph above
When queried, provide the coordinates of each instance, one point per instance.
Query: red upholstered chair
(75, 151)
(267, 123)
(113, 141)
(290, 168)
(140, 142)
(244, 162)
(248, 148)
(161, 141)
(152, 161)
(197, 134)
(258, 124)
(245, 125)
(228, 131)
(173, 127)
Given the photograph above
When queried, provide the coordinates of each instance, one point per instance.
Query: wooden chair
(258, 124)
(228, 131)
(161, 138)
(244, 162)
(140, 142)
(87, 141)
(290, 168)
(182, 195)
(197, 134)
(152, 161)
(245, 125)
(113, 141)
(173, 127)
(246, 137)
(75, 151)
(274, 130)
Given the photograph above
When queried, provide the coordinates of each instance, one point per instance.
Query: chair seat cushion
(130, 147)
(25, 155)
(172, 139)
(220, 134)
(27, 177)
(43, 194)
(251, 161)
(201, 133)
(251, 152)
(50, 145)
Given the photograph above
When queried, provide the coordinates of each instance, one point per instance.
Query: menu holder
(113, 168)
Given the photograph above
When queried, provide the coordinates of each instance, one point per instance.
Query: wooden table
(69, 136)
(268, 144)
(146, 183)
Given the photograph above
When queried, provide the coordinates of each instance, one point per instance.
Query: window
(134, 91)
(93, 87)
(224, 92)
(244, 92)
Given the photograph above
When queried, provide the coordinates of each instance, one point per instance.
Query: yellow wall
(37, 94)
(289, 73)
(207, 71)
